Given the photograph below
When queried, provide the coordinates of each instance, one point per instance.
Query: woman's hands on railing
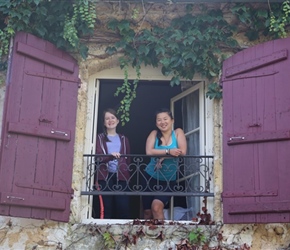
(158, 164)
(175, 151)
(116, 154)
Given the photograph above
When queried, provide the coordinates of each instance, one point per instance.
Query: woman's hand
(158, 164)
(175, 152)
(116, 154)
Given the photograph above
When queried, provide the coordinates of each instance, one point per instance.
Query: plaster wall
(16, 233)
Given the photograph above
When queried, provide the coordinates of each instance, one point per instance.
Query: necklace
(166, 141)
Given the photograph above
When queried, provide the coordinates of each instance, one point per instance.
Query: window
(153, 92)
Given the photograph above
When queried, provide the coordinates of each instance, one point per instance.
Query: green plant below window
(197, 237)
(109, 240)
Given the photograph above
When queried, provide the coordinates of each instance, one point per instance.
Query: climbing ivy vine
(61, 22)
(279, 22)
(182, 49)
(189, 45)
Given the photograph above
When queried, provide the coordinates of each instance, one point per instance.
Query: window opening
(187, 102)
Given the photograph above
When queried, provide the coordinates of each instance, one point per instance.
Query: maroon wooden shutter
(256, 134)
(38, 131)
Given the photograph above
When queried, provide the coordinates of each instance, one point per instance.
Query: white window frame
(205, 125)
(93, 91)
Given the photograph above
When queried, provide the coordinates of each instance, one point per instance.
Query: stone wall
(29, 234)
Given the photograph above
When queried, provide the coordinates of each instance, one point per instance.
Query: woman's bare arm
(181, 141)
(150, 142)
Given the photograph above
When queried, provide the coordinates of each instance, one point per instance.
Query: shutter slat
(257, 63)
(45, 57)
(251, 208)
(263, 136)
(44, 187)
(24, 200)
(39, 131)
(253, 193)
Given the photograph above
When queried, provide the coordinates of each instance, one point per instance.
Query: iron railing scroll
(193, 177)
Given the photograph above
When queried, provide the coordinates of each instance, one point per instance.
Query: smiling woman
(113, 170)
(161, 171)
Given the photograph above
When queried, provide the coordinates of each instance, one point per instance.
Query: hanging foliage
(61, 22)
(279, 22)
(191, 44)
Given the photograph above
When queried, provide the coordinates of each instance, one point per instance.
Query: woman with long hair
(113, 170)
(166, 144)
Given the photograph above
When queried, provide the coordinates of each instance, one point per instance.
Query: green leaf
(189, 40)
(212, 73)
(166, 71)
(160, 50)
(263, 13)
(41, 31)
(124, 25)
(175, 81)
(83, 50)
(111, 50)
(144, 49)
(189, 55)
(113, 24)
(214, 91)
(178, 35)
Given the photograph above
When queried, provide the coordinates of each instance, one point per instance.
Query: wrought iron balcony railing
(193, 177)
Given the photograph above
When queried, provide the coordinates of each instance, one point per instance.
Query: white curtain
(191, 124)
